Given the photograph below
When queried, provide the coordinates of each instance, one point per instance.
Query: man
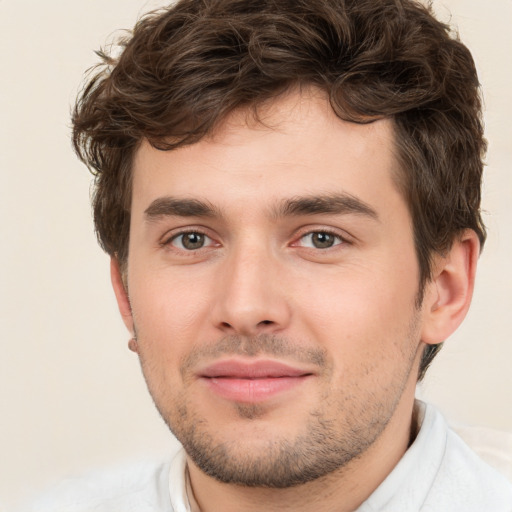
(290, 192)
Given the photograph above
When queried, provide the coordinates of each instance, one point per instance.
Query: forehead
(294, 145)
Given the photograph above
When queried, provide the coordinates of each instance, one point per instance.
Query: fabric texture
(137, 487)
(492, 445)
(439, 473)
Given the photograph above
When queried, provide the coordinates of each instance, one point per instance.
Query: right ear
(123, 301)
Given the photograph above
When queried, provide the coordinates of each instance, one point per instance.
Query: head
(190, 72)
(185, 68)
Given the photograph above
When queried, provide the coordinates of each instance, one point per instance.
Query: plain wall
(71, 394)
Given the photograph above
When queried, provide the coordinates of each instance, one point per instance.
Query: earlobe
(448, 295)
(123, 301)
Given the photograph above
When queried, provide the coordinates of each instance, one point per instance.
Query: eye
(320, 240)
(190, 241)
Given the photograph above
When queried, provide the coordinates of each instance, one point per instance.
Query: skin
(263, 276)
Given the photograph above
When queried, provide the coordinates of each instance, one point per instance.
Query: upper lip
(251, 370)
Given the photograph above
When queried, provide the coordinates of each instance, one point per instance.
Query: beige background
(71, 395)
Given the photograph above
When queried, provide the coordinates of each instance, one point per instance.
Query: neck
(343, 490)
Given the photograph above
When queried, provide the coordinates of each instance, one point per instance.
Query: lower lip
(252, 390)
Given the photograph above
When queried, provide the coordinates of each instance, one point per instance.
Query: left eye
(191, 241)
(320, 240)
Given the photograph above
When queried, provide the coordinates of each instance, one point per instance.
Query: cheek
(168, 315)
(359, 311)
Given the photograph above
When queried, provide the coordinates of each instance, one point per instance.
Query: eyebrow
(326, 204)
(174, 207)
(305, 205)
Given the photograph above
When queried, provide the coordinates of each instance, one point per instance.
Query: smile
(252, 382)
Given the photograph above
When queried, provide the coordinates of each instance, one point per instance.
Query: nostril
(246, 328)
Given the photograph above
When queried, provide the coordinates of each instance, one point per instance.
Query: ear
(123, 301)
(448, 295)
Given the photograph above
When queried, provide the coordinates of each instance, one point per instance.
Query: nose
(251, 296)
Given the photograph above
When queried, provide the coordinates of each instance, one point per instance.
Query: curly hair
(184, 68)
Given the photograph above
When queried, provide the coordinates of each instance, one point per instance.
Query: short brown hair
(186, 67)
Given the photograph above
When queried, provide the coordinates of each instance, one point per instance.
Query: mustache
(260, 345)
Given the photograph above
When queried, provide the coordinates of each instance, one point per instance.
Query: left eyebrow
(325, 204)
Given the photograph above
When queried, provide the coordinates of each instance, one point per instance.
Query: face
(272, 280)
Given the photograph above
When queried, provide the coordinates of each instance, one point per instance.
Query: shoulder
(440, 473)
(466, 481)
(142, 486)
(492, 445)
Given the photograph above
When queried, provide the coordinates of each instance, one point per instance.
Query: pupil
(193, 240)
(322, 240)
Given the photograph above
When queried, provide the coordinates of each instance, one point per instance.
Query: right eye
(190, 241)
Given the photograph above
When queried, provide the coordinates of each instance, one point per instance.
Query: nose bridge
(250, 298)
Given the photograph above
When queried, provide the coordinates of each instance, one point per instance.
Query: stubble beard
(337, 432)
(279, 463)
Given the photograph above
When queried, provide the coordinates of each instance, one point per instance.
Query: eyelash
(168, 241)
(339, 240)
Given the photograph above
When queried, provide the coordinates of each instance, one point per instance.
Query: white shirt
(438, 473)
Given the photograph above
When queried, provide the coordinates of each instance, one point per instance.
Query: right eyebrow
(174, 207)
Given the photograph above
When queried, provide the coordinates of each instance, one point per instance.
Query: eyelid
(171, 235)
(309, 230)
(337, 240)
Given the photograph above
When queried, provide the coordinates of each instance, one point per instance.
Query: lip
(254, 381)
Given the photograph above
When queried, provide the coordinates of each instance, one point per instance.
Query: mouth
(252, 382)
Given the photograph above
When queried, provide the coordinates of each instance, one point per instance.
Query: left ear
(448, 295)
